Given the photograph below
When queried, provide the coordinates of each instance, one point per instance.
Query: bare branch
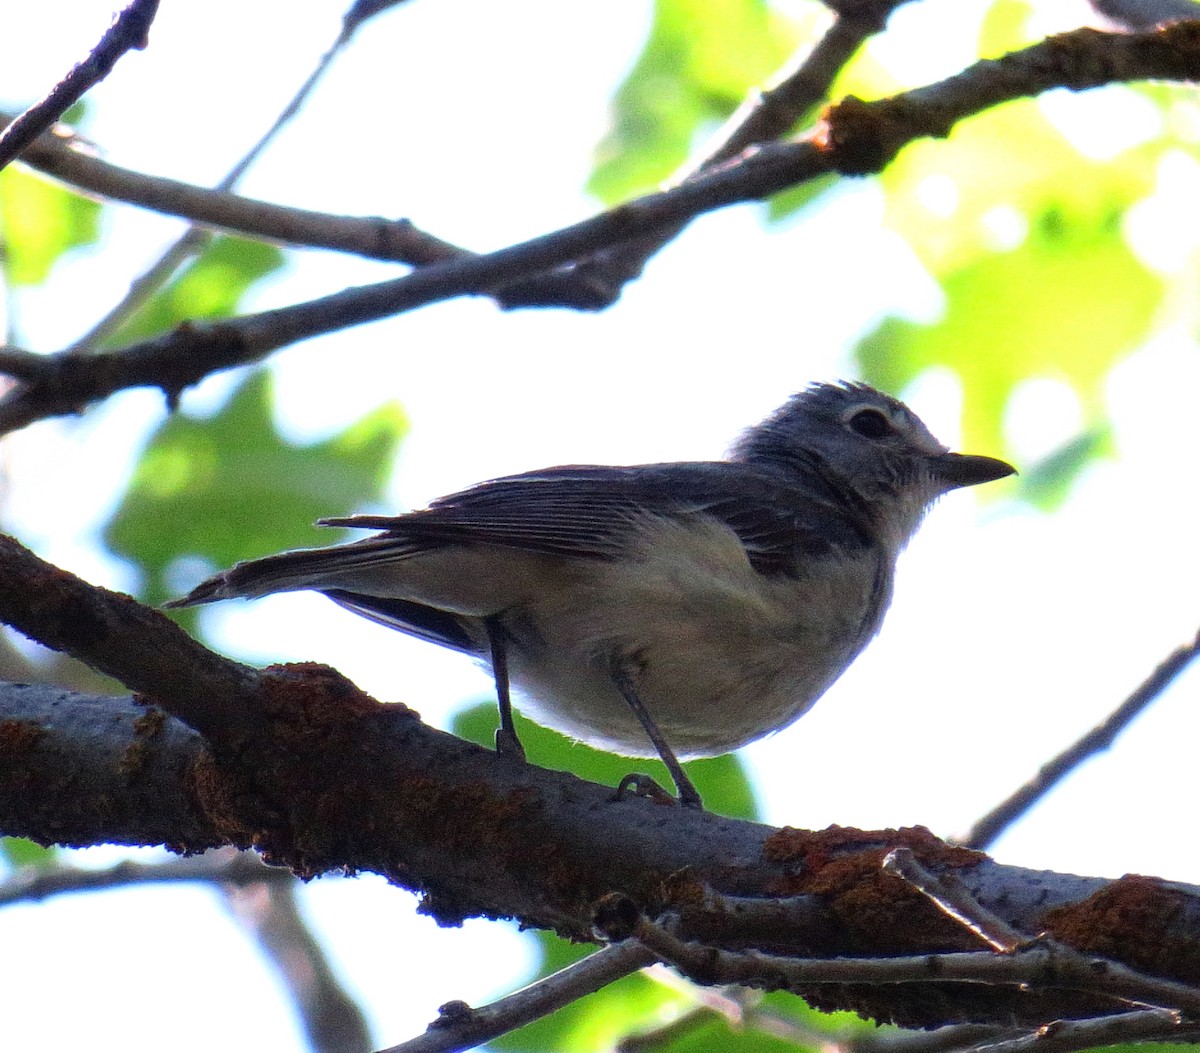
(460, 1027)
(862, 137)
(319, 777)
(1144, 14)
(1100, 738)
(196, 238)
(1067, 1036)
(333, 1021)
(24, 365)
(763, 117)
(857, 138)
(371, 237)
(115, 634)
(220, 867)
(949, 896)
(129, 30)
(1035, 964)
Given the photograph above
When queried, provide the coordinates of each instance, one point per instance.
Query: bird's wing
(416, 619)
(587, 512)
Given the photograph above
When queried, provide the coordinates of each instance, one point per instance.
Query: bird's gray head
(867, 446)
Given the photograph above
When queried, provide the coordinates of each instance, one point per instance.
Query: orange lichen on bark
(309, 696)
(19, 736)
(813, 848)
(1135, 920)
(844, 866)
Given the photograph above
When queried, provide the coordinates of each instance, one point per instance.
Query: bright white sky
(1011, 632)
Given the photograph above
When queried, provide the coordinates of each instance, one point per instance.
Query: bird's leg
(688, 796)
(507, 742)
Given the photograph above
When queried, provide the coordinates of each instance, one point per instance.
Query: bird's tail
(315, 568)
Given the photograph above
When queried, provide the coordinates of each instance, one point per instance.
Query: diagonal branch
(856, 138)
(765, 116)
(1101, 737)
(195, 238)
(116, 635)
(129, 30)
(371, 237)
(459, 1027)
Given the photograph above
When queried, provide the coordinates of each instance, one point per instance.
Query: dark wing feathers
(588, 512)
(425, 623)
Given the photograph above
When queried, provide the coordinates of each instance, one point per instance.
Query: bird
(681, 609)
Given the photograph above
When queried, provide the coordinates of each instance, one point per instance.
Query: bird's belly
(719, 654)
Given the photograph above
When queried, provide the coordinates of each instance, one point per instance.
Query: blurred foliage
(210, 286)
(21, 852)
(1045, 483)
(39, 222)
(699, 62)
(1025, 236)
(229, 488)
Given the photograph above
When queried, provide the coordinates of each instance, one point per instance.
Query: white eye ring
(870, 423)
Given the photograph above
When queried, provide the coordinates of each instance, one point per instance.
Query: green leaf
(1066, 305)
(1001, 174)
(21, 852)
(701, 59)
(211, 286)
(39, 222)
(722, 781)
(795, 199)
(1047, 483)
(229, 488)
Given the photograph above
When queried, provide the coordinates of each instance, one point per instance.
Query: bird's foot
(508, 745)
(638, 785)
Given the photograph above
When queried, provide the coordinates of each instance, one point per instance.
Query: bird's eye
(870, 423)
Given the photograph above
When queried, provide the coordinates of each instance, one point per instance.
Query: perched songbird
(679, 609)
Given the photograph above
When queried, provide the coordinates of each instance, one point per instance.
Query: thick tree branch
(1143, 14)
(856, 138)
(129, 30)
(116, 635)
(320, 777)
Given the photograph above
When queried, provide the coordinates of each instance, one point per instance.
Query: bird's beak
(966, 469)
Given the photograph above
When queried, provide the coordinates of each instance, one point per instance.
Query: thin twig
(460, 1027)
(1100, 738)
(220, 866)
(128, 31)
(195, 239)
(1066, 1036)
(949, 895)
(1044, 964)
(762, 118)
(371, 237)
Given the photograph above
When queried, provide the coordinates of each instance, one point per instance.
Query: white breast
(721, 654)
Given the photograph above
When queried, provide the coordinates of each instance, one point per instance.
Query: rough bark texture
(338, 780)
